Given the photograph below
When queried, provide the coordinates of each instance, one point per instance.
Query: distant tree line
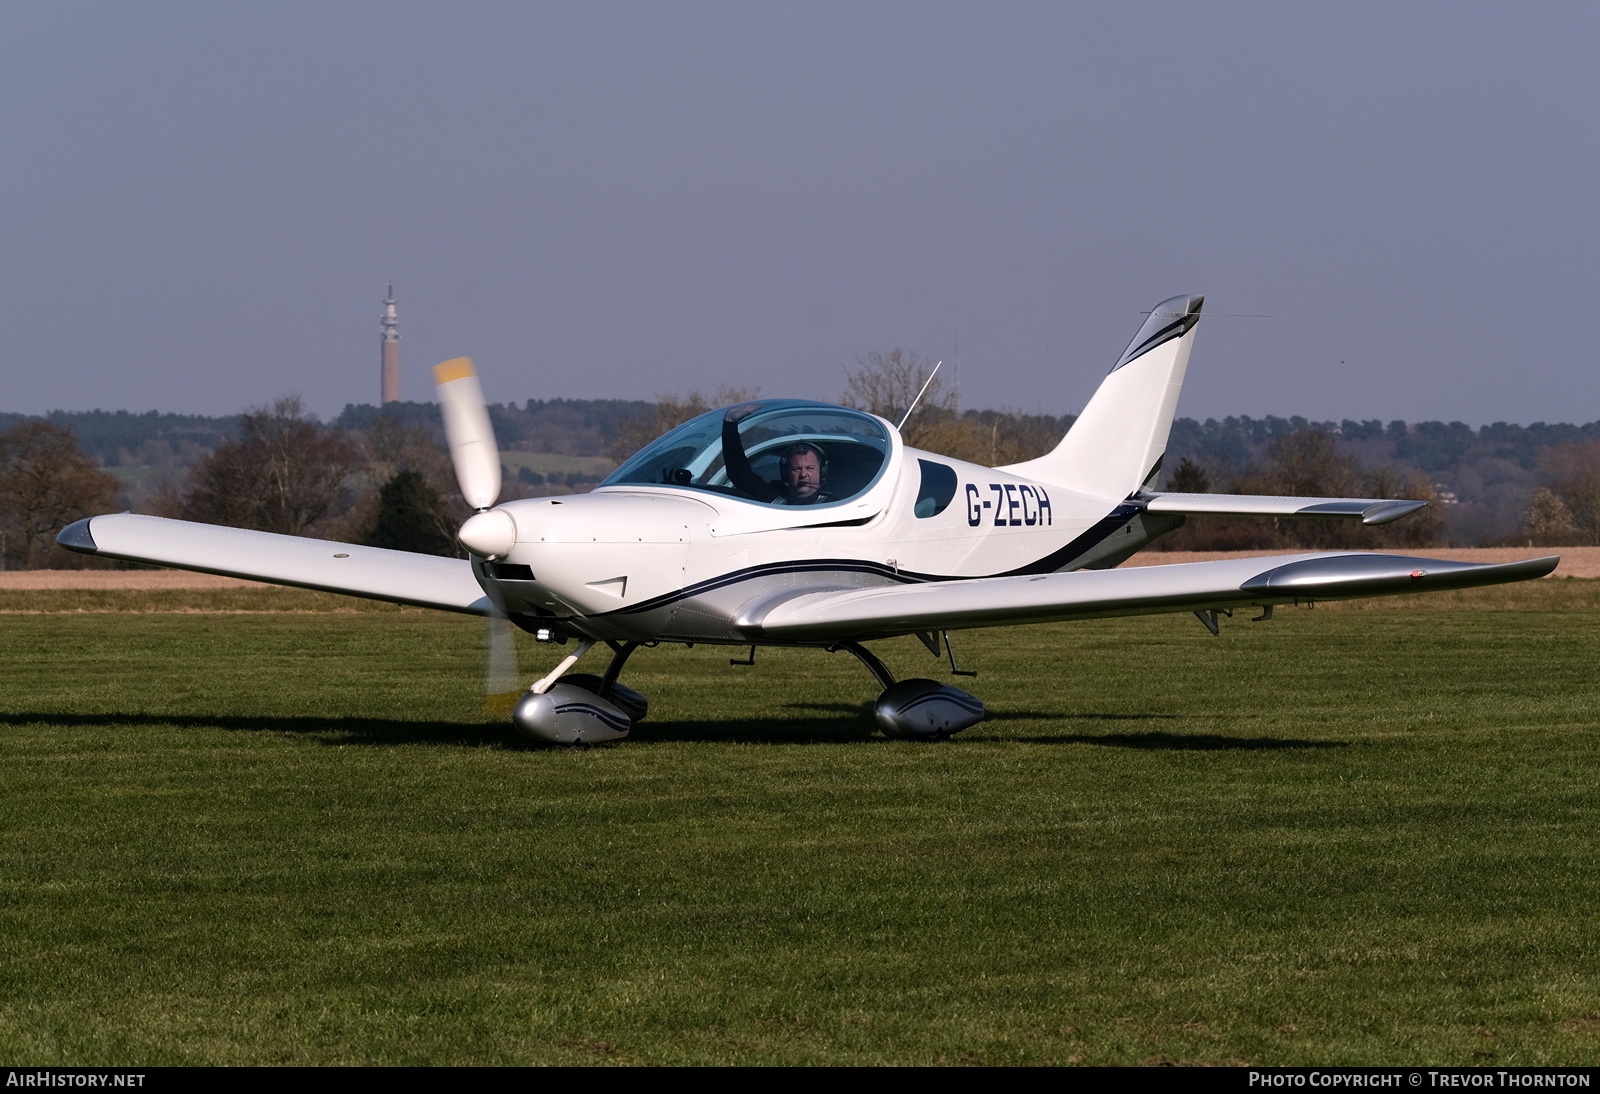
(1484, 483)
(380, 475)
(568, 427)
(116, 438)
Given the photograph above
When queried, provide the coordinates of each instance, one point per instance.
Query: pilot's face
(802, 476)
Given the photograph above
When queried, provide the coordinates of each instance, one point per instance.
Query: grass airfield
(251, 826)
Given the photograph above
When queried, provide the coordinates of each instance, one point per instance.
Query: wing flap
(401, 577)
(1088, 594)
(1369, 510)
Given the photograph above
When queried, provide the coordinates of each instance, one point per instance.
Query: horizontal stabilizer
(1370, 510)
(400, 577)
(1142, 590)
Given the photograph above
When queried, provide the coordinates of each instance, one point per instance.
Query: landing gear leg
(545, 683)
(625, 699)
(619, 657)
(878, 669)
(920, 710)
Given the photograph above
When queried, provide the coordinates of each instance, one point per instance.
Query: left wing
(1087, 594)
(401, 577)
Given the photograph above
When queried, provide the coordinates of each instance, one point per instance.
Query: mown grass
(263, 832)
(230, 600)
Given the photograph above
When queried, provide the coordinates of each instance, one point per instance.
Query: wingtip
(76, 537)
(1385, 512)
(1366, 574)
(1545, 564)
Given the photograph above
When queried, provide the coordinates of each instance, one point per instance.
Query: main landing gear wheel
(917, 709)
(925, 710)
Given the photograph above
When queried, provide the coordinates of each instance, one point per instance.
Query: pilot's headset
(805, 446)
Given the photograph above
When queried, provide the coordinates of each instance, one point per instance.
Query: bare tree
(1574, 471)
(1307, 463)
(1547, 522)
(672, 410)
(284, 472)
(1424, 528)
(886, 384)
(46, 483)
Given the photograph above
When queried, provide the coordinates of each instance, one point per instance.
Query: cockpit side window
(774, 452)
(938, 487)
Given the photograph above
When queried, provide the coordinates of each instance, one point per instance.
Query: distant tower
(390, 325)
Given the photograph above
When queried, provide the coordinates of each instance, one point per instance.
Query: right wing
(881, 612)
(427, 581)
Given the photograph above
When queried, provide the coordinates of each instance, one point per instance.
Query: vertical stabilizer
(1117, 443)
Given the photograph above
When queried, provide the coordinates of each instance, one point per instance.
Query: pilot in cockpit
(802, 466)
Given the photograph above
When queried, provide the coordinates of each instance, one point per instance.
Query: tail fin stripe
(1147, 340)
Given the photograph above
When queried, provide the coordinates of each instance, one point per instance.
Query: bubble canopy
(847, 449)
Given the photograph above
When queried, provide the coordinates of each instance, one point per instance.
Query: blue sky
(204, 201)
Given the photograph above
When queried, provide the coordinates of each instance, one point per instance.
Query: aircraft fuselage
(645, 563)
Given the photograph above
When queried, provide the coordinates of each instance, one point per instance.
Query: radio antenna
(918, 399)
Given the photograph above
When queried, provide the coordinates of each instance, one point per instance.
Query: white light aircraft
(791, 523)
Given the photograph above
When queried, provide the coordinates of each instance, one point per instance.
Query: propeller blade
(466, 426)
(502, 685)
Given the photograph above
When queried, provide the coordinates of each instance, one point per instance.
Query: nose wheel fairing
(567, 714)
(624, 698)
(582, 708)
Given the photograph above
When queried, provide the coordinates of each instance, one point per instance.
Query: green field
(240, 827)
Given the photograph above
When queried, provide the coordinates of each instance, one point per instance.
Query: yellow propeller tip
(501, 705)
(453, 369)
